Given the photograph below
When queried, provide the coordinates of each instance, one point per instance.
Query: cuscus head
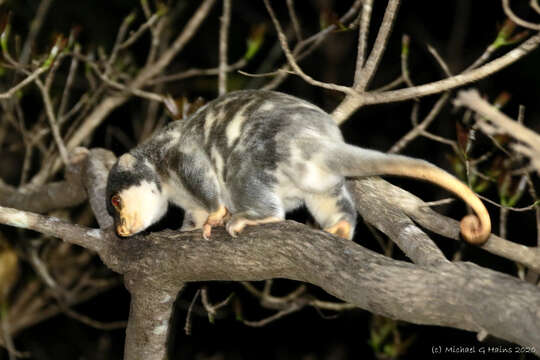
(135, 196)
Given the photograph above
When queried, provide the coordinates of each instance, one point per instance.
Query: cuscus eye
(116, 202)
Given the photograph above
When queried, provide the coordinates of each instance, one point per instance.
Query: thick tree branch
(384, 215)
(435, 292)
(53, 196)
(372, 189)
(448, 294)
(91, 239)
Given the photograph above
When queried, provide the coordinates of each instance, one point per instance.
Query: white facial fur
(142, 206)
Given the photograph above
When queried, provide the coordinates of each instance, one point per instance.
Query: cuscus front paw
(342, 229)
(238, 223)
(216, 218)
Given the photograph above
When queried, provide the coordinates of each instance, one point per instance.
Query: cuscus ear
(127, 162)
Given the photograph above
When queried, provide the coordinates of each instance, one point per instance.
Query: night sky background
(460, 30)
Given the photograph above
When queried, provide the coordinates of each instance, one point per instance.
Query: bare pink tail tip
(473, 231)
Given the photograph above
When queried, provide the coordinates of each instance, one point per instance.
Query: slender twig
(440, 61)
(350, 104)
(196, 72)
(457, 80)
(126, 88)
(535, 6)
(92, 322)
(69, 83)
(110, 103)
(35, 27)
(419, 130)
(210, 308)
(440, 139)
(292, 60)
(311, 43)
(292, 308)
(119, 39)
(391, 85)
(139, 32)
(187, 326)
(30, 78)
(327, 305)
(509, 208)
(472, 100)
(363, 32)
(52, 122)
(178, 44)
(405, 43)
(53, 69)
(372, 62)
(294, 20)
(223, 42)
(526, 24)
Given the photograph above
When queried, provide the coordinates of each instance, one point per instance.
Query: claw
(235, 227)
(342, 229)
(207, 231)
(216, 218)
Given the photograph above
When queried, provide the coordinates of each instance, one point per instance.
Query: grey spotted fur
(258, 153)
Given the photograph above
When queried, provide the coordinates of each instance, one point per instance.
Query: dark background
(459, 30)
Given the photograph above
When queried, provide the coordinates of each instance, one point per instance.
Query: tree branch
(372, 62)
(352, 102)
(434, 291)
(53, 196)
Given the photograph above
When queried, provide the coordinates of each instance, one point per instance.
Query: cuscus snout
(128, 224)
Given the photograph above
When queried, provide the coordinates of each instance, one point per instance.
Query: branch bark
(57, 195)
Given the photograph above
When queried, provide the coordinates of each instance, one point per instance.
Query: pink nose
(123, 229)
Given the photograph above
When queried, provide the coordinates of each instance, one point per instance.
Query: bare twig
(311, 43)
(187, 326)
(440, 61)
(372, 62)
(122, 31)
(405, 44)
(52, 122)
(292, 308)
(110, 103)
(350, 104)
(35, 27)
(197, 72)
(526, 24)
(30, 78)
(292, 60)
(363, 31)
(535, 6)
(294, 20)
(210, 308)
(139, 32)
(69, 83)
(223, 40)
(420, 129)
(472, 100)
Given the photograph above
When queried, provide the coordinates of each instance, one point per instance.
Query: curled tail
(354, 161)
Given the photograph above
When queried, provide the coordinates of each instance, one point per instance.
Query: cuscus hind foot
(216, 218)
(342, 228)
(239, 222)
